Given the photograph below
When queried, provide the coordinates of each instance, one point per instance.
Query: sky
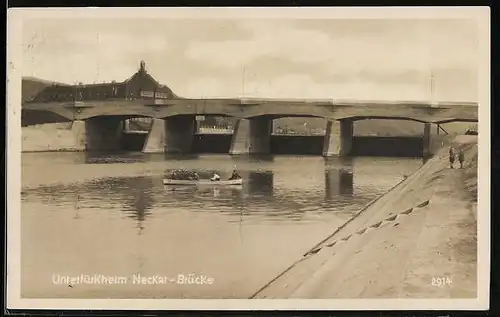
(377, 59)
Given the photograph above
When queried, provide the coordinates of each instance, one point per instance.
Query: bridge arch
(452, 120)
(117, 116)
(189, 107)
(188, 113)
(286, 111)
(274, 116)
(416, 119)
(361, 118)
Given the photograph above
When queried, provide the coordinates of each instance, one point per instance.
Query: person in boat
(194, 176)
(173, 174)
(215, 177)
(235, 175)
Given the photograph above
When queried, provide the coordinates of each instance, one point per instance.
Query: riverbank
(50, 137)
(417, 241)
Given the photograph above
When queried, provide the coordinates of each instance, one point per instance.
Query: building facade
(141, 85)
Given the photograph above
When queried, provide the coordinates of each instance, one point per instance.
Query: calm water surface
(110, 215)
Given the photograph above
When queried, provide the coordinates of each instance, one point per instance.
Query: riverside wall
(419, 240)
(68, 137)
(52, 137)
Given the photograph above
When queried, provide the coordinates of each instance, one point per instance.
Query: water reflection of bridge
(137, 196)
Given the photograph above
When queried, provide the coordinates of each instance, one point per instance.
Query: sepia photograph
(248, 158)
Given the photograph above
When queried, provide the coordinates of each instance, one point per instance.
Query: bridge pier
(155, 140)
(338, 182)
(252, 136)
(104, 133)
(179, 134)
(338, 138)
(171, 135)
(426, 142)
(79, 131)
(431, 142)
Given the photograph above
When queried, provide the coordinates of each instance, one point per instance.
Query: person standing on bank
(461, 158)
(452, 156)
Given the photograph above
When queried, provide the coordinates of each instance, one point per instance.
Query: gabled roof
(143, 73)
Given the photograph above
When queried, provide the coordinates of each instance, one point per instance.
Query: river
(91, 217)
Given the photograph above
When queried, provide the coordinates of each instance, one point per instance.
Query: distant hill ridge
(44, 81)
(31, 86)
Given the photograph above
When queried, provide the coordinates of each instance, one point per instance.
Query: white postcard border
(14, 71)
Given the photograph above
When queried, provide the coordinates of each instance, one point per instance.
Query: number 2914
(441, 281)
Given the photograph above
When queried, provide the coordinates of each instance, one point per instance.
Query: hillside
(31, 86)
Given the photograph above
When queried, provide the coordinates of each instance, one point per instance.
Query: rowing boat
(230, 182)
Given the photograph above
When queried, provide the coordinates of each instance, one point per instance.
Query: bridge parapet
(416, 104)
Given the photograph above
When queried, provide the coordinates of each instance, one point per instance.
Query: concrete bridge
(255, 108)
(174, 120)
(98, 112)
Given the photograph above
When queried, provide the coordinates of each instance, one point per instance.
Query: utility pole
(432, 90)
(98, 55)
(432, 99)
(243, 80)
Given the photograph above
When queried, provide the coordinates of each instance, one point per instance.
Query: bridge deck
(247, 108)
(256, 101)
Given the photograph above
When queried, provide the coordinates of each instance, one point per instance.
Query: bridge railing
(214, 130)
(279, 131)
(137, 124)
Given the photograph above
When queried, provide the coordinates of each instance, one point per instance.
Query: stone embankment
(52, 137)
(67, 137)
(417, 241)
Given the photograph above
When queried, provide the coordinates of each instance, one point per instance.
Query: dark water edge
(383, 146)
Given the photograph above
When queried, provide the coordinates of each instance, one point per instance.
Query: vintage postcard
(249, 158)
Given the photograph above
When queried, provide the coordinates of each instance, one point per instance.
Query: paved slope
(423, 229)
